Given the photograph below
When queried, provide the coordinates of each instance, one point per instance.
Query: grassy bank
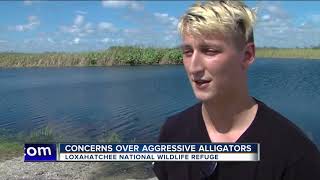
(109, 57)
(11, 144)
(11, 149)
(302, 53)
(129, 56)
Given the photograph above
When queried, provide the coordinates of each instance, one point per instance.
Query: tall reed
(130, 55)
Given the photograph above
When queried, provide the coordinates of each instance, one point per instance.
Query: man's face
(215, 66)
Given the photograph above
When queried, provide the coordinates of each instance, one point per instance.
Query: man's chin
(203, 98)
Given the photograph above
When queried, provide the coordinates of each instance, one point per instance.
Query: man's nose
(196, 67)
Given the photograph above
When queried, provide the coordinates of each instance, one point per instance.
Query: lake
(83, 104)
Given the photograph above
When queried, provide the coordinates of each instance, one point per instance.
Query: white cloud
(114, 4)
(106, 26)
(273, 25)
(81, 12)
(121, 4)
(151, 29)
(271, 11)
(168, 37)
(169, 24)
(79, 27)
(26, 2)
(72, 29)
(118, 40)
(34, 40)
(276, 11)
(111, 41)
(33, 19)
(88, 28)
(276, 28)
(76, 40)
(165, 18)
(105, 40)
(266, 17)
(78, 20)
(136, 6)
(50, 40)
(33, 22)
(131, 31)
(315, 18)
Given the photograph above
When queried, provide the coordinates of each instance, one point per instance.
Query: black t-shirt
(285, 152)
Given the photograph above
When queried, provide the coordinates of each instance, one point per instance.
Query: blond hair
(223, 16)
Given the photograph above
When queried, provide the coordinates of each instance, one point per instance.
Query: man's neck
(226, 119)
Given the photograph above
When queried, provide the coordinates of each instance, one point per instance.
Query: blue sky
(40, 26)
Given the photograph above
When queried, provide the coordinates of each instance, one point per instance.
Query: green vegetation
(127, 55)
(303, 53)
(9, 146)
(110, 137)
(9, 149)
(131, 55)
(11, 143)
(42, 135)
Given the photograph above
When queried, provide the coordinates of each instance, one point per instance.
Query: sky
(74, 26)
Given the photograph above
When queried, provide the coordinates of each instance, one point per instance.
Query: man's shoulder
(283, 136)
(179, 126)
(279, 125)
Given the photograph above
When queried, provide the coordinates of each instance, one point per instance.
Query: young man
(218, 49)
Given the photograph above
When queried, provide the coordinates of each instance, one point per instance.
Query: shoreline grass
(289, 53)
(11, 143)
(10, 149)
(130, 55)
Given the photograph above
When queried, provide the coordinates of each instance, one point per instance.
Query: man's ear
(249, 55)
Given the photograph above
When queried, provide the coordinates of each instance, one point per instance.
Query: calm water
(80, 104)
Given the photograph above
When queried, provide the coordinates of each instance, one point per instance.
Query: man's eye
(211, 52)
(187, 52)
